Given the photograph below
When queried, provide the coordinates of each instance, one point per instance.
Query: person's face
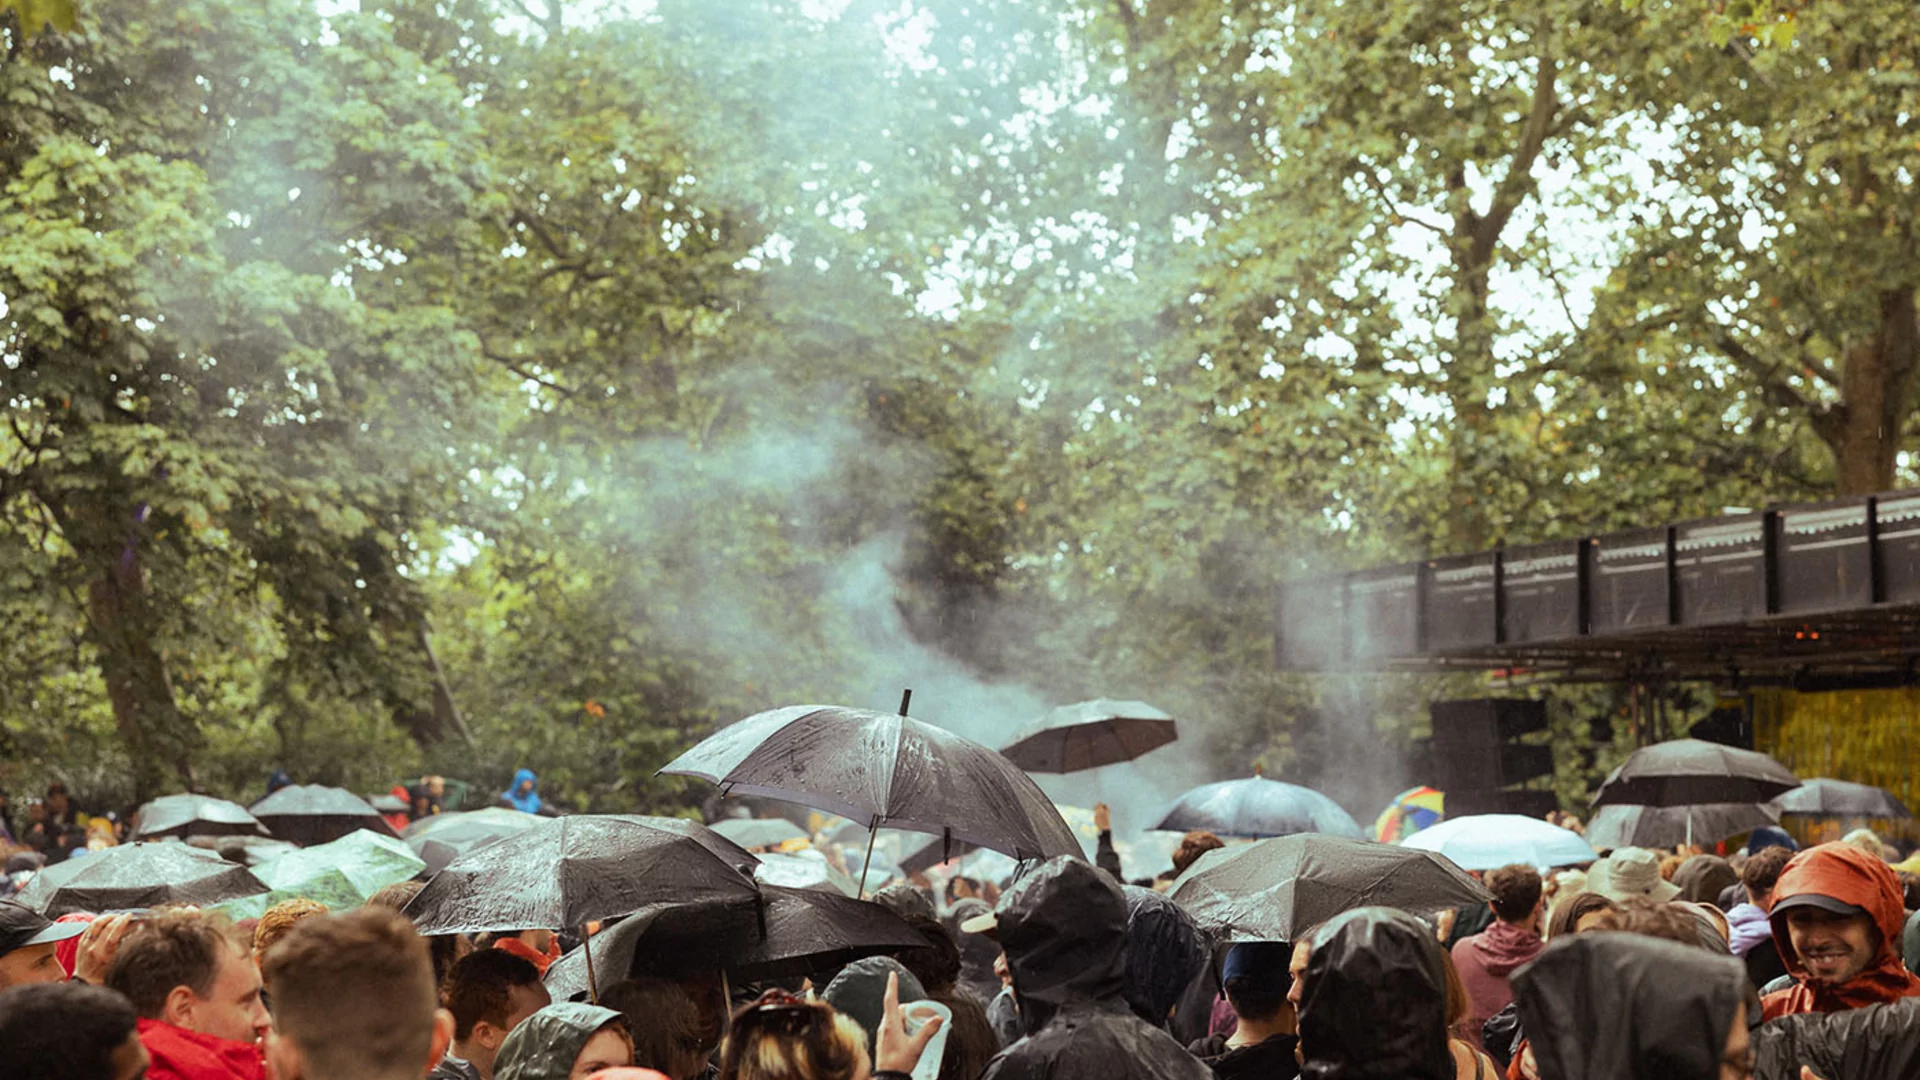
(709, 995)
(57, 802)
(1736, 1062)
(232, 1008)
(30, 964)
(608, 1048)
(525, 786)
(1833, 947)
(129, 1060)
(36, 812)
(540, 940)
(1297, 967)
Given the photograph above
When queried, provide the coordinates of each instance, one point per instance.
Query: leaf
(36, 15)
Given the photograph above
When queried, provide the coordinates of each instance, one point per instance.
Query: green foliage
(458, 385)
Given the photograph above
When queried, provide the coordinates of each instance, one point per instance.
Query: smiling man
(1837, 916)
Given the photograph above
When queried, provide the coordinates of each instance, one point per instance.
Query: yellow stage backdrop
(1867, 736)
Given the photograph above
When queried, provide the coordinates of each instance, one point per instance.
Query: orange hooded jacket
(1848, 874)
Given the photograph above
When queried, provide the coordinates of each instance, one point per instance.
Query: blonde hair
(758, 1053)
(1868, 841)
(278, 919)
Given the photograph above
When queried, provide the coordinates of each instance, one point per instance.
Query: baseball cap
(986, 924)
(1262, 964)
(1816, 900)
(21, 926)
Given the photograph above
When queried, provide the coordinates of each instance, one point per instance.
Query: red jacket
(179, 1054)
(1845, 873)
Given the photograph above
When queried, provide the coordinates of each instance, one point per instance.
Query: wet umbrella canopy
(1821, 797)
(758, 832)
(1258, 807)
(461, 833)
(196, 815)
(1274, 889)
(1665, 826)
(1074, 738)
(367, 861)
(803, 870)
(138, 876)
(572, 870)
(805, 931)
(1689, 772)
(883, 769)
(315, 814)
(1490, 841)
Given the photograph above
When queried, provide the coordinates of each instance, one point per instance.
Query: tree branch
(1513, 186)
(565, 391)
(1773, 385)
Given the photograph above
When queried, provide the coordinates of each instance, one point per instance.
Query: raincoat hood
(860, 991)
(1855, 1044)
(530, 800)
(1852, 876)
(1703, 877)
(1165, 952)
(1614, 1006)
(1373, 1003)
(1748, 927)
(1503, 947)
(1064, 930)
(543, 1046)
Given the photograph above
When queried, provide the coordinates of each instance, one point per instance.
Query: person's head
(1166, 951)
(489, 992)
(68, 1031)
(961, 887)
(937, 965)
(1837, 913)
(57, 799)
(1360, 961)
(1767, 836)
(1192, 846)
(184, 968)
(781, 1037)
(1655, 918)
(1630, 872)
(1909, 889)
(29, 945)
(664, 1023)
(1297, 968)
(436, 787)
(1516, 893)
(1063, 927)
(906, 901)
(353, 999)
(1579, 913)
(1670, 865)
(1868, 841)
(1703, 878)
(1647, 1007)
(1761, 872)
(278, 919)
(1257, 980)
(568, 1040)
(36, 812)
(859, 991)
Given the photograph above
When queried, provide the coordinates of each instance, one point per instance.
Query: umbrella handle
(586, 943)
(873, 831)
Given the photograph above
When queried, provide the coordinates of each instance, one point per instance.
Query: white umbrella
(1490, 841)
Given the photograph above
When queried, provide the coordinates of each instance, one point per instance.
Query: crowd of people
(1635, 967)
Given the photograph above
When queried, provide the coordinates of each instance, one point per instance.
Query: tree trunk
(122, 629)
(1878, 396)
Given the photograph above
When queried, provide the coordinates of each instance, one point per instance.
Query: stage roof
(1819, 596)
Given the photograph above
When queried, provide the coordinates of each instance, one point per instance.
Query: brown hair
(663, 1020)
(1655, 918)
(1671, 865)
(1192, 846)
(789, 1039)
(355, 993)
(169, 949)
(1459, 1005)
(279, 919)
(480, 987)
(1566, 917)
(397, 895)
(1762, 871)
(1516, 891)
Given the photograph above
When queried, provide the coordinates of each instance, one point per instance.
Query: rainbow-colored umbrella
(1409, 812)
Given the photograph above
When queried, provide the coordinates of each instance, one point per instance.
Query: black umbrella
(1273, 890)
(1665, 826)
(1074, 738)
(140, 875)
(572, 870)
(793, 932)
(1259, 807)
(315, 814)
(196, 815)
(883, 769)
(1822, 797)
(758, 832)
(1691, 772)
